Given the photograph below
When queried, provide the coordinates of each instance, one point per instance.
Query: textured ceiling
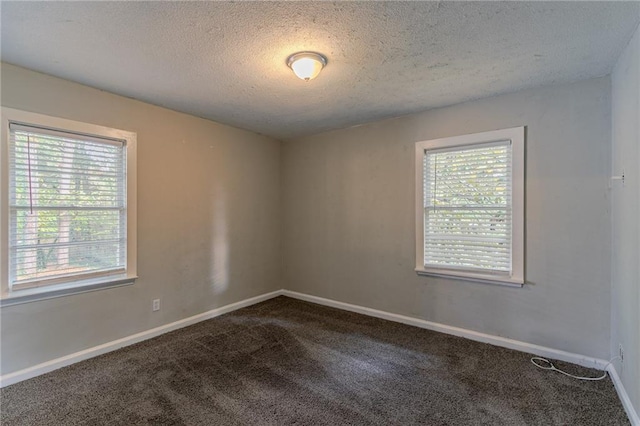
(226, 60)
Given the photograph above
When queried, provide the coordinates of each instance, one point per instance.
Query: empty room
(319, 213)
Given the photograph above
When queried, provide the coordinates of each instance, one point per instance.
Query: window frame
(517, 137)
(62, 286)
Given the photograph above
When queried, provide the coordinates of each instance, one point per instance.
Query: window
(470, 206)
(68, 212)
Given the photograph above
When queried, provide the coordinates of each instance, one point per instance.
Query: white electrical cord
(549, 366)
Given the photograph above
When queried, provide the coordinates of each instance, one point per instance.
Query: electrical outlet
(621, 352)
(156, 305)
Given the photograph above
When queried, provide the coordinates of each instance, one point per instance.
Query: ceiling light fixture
(306, 65)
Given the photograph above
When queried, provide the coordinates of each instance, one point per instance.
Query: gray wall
(208, 222)
(210, 214)
(349, 214)
(625, 292)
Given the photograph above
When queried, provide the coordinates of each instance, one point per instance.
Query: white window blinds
(467, 207)
(67, 202)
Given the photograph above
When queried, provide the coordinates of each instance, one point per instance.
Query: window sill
(469, 276)
(18, 297)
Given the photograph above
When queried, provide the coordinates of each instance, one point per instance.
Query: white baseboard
(504, 342)
(624, 396)
(45, 367)
(30, 372)
(517, 345)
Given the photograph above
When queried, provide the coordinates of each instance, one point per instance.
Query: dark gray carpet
(286, 362)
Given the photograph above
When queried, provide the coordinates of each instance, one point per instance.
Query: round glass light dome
(306, 65)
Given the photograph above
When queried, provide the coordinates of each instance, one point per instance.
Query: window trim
(516, 135)
(10, 296)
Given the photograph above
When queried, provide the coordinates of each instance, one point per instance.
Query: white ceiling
(226, 60)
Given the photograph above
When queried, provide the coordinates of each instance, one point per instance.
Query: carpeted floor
(286, 362)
